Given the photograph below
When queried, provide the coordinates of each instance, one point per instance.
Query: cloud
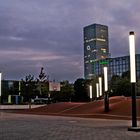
(49, 33)
(27, 61)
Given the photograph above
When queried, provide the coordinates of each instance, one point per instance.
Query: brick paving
(37, 127)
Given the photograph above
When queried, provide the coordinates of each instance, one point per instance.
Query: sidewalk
(36, 127)
(4, 107)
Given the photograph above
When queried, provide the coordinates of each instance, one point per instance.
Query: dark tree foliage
(65, 94)
(28, 88)
(126, 74)
(124, 87)
(42, 76)
(81, 92)
(43, 83)
(120, 85)
(114, 85)
(66, 91)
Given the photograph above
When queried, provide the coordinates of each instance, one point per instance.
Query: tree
(66, 91)
(124, 87)
(126, 74)
(114, 85)
(81, 92)
(65, 94)
(120, 85)
(42, 82)
(138, 87)
(28, 88)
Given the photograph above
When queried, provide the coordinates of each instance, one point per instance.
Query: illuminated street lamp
(90, 92)
(97, 90)
(133, 81)
(106, 99)
(105, 79)
(100, 86)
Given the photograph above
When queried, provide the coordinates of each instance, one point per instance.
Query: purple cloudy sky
(49, 34)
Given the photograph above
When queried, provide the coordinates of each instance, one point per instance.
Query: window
(103, 50)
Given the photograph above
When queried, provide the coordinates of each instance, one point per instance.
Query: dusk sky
(49, 34)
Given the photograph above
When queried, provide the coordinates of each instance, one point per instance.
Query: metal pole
(106, 98)
(106, 102)
(100, 86)
(97, 90)
(133, 81)
(134, 110)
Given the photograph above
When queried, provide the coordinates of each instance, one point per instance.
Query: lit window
(104, 50)
(94, 50)
(102, 30)
(100, 39)
(102, 57)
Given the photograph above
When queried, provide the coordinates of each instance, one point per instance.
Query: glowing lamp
(105, 79)
(100, 86)
(90, 91)
(132, 57)
(97, 90)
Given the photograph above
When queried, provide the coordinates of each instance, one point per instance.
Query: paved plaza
(5, 107)
(36, 127)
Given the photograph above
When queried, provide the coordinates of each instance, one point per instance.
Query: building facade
(117, 66)
(10, 92)
(95, 47)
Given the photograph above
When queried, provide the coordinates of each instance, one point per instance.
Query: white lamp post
(132, 57)
(105, 79)
(100, 86)
(90, 91)
(97, 90)
(106, 99)
(133, 81)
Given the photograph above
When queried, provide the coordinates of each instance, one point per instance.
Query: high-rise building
(95, 47)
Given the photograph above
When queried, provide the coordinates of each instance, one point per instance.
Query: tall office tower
(95, 47)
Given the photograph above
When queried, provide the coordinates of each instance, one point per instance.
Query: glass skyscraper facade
(117, 66)
(95, 47)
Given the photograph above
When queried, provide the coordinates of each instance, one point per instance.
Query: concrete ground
(5, 107)
(37, 127)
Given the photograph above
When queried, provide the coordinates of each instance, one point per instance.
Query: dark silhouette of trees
(64, 94)
(81, 90)
(120, 85)
(28, 88)
(43, 83)
(67, 91)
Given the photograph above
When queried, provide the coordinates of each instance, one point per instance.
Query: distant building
(96, 54)
(10, 92)
(95, 47)
(117, 66)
